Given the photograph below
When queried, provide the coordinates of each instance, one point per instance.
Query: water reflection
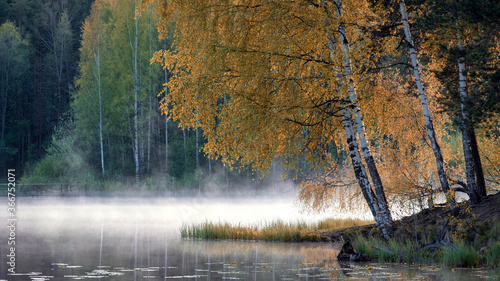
(113, 240)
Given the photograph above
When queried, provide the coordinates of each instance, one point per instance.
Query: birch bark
(466, 143)
(360, 127)
(425, 106)
(166, 117)
(476, 187)
(376, 201)
(152, 89)
(136, 90)
(360, 172)
(97, 57)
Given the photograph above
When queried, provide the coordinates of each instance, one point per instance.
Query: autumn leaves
(270, 80)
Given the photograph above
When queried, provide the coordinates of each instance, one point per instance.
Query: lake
(139, 239)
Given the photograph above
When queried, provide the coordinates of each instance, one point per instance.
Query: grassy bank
(277, 231)
(458, 254)
(470, 238)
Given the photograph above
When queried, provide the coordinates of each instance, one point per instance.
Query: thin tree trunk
(151, 90)
(197, 149)
(376, 201)
(480, 181)
(141, 135)
(360, 127)
(476, 185)
(149, 134)
(466, 142)
(166, 116)
(98, 64)
(428, 119)
(360, 172)
(136, 90)
(184, 139)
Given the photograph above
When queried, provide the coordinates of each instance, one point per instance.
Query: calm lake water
(139, 239)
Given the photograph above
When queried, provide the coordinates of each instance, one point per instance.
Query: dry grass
(278, 231)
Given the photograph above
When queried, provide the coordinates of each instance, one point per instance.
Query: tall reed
(278, 231)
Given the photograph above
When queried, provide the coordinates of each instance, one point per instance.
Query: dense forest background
(39, 62)
(64, 122)
(81, 101)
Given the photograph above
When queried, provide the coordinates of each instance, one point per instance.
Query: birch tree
(97, 56)
(382, 213)
(253, 83)
(115, 63)
(425, 106)
(165, 88)
(91, 77)
(467, 131)
(461, 42)
(133, 39)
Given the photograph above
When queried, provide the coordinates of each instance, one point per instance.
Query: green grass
(459, 255)
(492, 256)
(395, 250)
(472, 246)
(277, 231)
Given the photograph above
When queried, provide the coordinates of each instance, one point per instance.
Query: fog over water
(62, 238)
(139, 238)
(52, 214)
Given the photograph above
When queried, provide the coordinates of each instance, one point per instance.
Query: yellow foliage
(259, 79)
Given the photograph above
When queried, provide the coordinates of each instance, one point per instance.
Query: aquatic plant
(277, 231)
(492, 256)
(461, 255)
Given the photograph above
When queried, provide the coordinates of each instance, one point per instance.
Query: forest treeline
(39, 54)
(80, 101)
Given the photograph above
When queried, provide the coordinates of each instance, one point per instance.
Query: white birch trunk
(166, 116)
(136, 90)
(97, 58)
(427, 114)
(466, 141)
(151, 91)
(141, 134)
(360, 127)
(149, 133)
(361, 175)
(474, 169)
(376, 201)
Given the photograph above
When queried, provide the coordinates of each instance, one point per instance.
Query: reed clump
(276, 231)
